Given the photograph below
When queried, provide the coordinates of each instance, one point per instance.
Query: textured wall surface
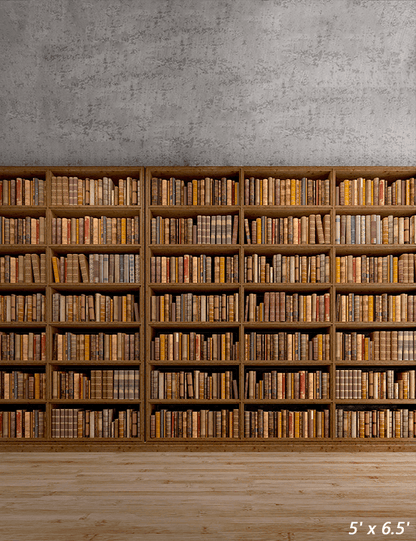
(214, 82)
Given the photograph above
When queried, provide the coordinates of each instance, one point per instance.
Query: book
(94, 308)
(202, 230)
(95, 192)
(378, 308)
(375, 423)
(203, 191)
(286, 346)
(118, 346)
(194, 347)
(375, 192)
(274, 191)
(196, 384)
(22, 192)
(86, 423)
(287, 230)
(26, 423)
(286, 423)
(287, 308)
(189, 307)
(96, 384)
(203, 423)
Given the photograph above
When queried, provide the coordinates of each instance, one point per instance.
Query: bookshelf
(79, 377)
(219, 308)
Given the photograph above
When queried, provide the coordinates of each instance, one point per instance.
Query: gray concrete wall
(208, 82)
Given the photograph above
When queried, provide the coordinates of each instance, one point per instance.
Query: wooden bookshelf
(201, 366)
(72, 317)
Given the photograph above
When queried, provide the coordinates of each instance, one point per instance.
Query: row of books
(110, 423)
(378, 308)
(96, 307)
(203, 191)
(286, 423)
(189, 307)
(121, 384)
(376, 191)
(92, 191)
(22, 230)
(194, 269)
(196, 385)
(101, 346)
(301, 385)
(202, 230)
(179, 346)
(290, 191)
(375, 423)
(366, 269)
(91, 230)
(208, 191)
(381, 345)
(374, 229)
(358, 384)
(22, 308)
(190, 423)
(105, 423)
(22, 191)
(291, 269)
(96, 268)
(373, 346)
(22, 346)
(23, 269)
(312, 229)
(284, 269)
(349, 229)
(279, 306)
(219, 269)
(286, 346)
(18, 384)
(22, 423)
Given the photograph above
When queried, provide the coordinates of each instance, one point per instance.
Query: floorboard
(210, 496)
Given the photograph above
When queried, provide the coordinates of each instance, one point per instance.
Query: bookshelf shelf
(114, 402)
(193, 363)
(236, 277)
(286, 401)
(28, 401)
(371, 325)
(96, 325)
(96, 248)
(13, 249)
(375, 402)
(286, 325)
(375, 288)
(96, 287)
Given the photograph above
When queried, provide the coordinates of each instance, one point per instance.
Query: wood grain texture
(213, 496)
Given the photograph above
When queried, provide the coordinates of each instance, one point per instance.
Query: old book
(319, 229)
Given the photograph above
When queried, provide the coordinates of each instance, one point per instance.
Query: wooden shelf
(307, 402)
(122, 402)
(61, 249)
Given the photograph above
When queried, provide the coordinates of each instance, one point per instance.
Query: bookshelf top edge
(71, 170)
(189, 172)
(388, 173)
(231, 170)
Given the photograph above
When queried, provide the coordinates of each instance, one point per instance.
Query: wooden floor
(210, 496)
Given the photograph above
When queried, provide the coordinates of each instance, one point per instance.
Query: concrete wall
(208, 82)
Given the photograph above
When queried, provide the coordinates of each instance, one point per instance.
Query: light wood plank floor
(212, 496)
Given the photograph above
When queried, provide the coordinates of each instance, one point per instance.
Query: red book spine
(302, 390)
(18, 423)
(186, 269)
